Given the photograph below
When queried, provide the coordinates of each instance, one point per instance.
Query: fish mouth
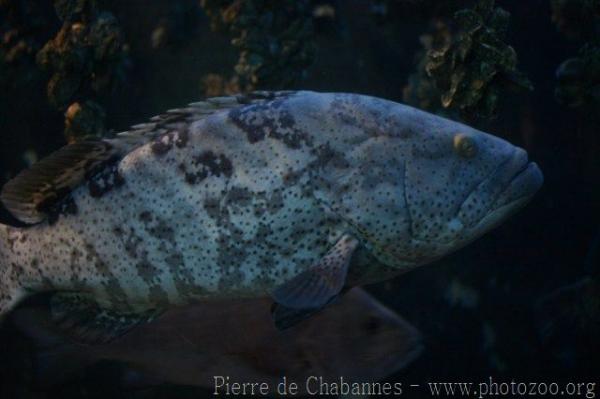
(526, 180)
(523, 180)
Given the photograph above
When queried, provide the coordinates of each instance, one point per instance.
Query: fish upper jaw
(519, 180)
(514, 179)
(524, 184)
(521, 177)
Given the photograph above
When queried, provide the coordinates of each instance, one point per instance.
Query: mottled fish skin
(237, 203)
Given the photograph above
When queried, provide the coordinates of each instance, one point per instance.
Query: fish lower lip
(520, 189)
(525, 182)
(523, 168)
(532, 176)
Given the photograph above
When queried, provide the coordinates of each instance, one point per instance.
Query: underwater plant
(576, 18)
(469, 62)
(23, 30)
(274, 39)
(85, 59)
(578, 78)
(421, 91)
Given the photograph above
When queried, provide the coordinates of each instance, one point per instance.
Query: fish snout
(509, 188)
(523, 178)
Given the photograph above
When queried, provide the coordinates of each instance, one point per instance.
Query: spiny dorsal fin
(32, 193)
(163, 123)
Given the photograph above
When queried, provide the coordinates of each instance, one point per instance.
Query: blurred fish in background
(358, 338)
(568, 319)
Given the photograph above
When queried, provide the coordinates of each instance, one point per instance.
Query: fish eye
(465, 146)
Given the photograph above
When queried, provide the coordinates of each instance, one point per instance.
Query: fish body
(252, 196)
(357, 337)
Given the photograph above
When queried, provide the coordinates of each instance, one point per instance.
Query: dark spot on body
(145, 216)
(182, 139)
(164, 143)
(68, 206)
(287, 121)
(12, 240)
(111, 283)
(263, 231)
(59, 204)
(239, 116)
(159, 147)
(276, 202)
(162, 231)
(291, 177)
(270, 119)
(216, 164)
(191, 178)
(174, 260)
(131, 243)
(212, 206)
(293, 139)
(325, 155)
(207, 164)
(147, 271)
(240, 196)
(105, 180)
(182, 276)
(255, 135)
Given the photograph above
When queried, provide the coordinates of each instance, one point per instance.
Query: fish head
(418, 186)
(461, 183)
(357, 337)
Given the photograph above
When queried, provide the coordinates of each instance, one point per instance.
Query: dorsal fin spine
(34, 190)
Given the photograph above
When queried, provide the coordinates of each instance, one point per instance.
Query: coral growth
(579, 80)
(274, 39)
(577, 18)
(24, 27)
(85, 59)
(470, 63)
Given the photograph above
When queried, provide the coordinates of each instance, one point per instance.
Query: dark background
(481, 309)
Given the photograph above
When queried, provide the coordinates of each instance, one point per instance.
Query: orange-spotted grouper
(357, 338)
(292, 195)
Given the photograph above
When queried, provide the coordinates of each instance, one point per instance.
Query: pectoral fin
(315, 288)
(86, 322)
